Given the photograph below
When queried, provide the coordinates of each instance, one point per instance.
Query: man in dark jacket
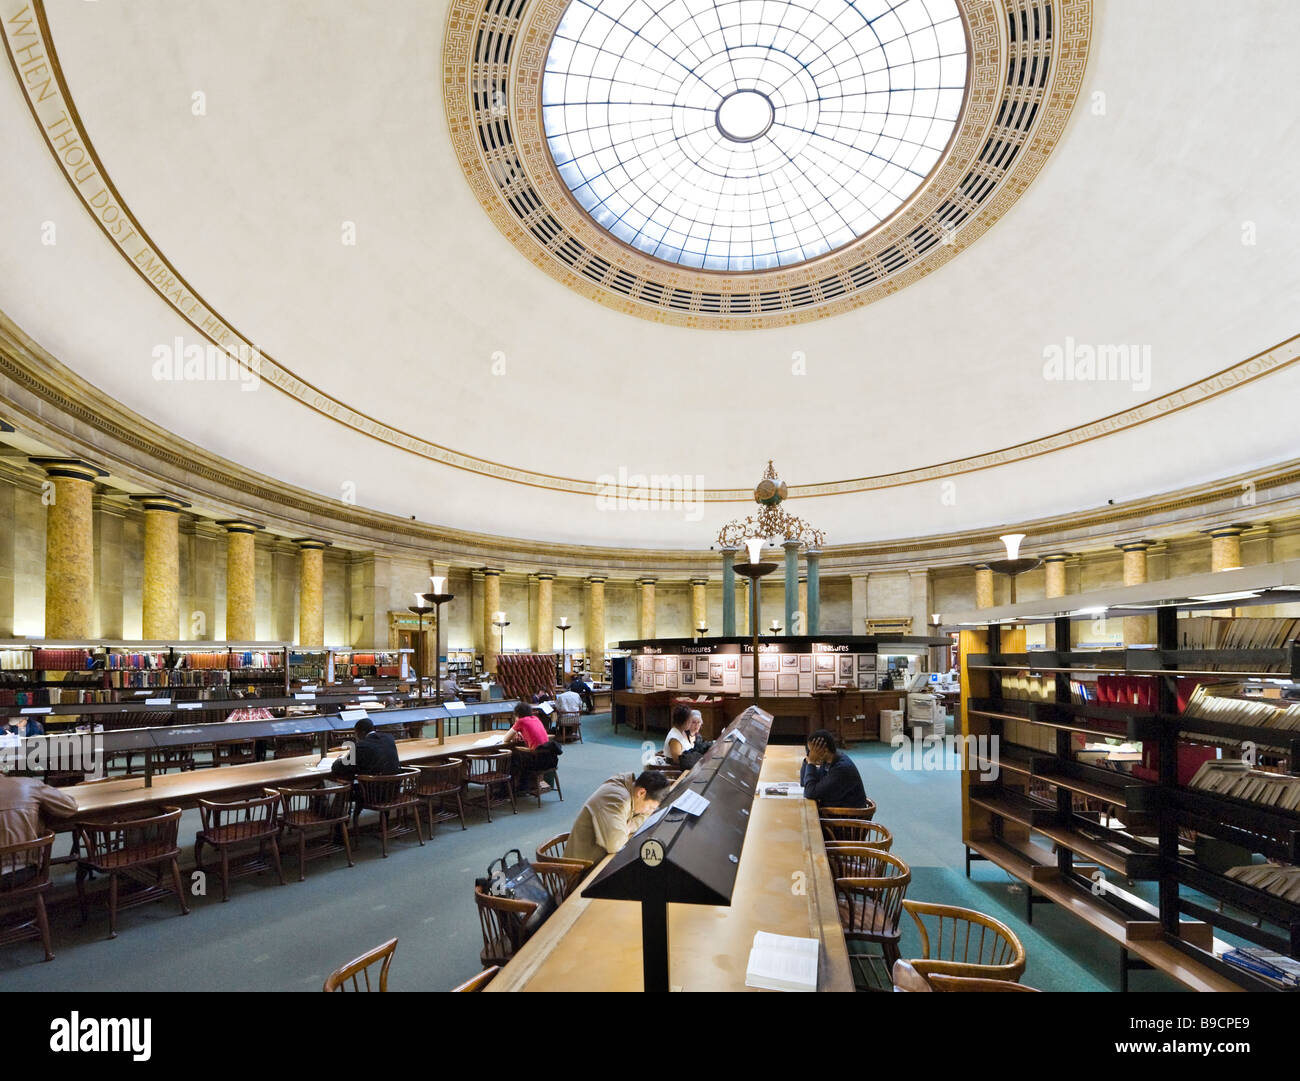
(829, 776)
(374, 752)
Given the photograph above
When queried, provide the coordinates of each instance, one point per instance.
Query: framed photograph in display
(688, 677)
(847, 682)
(701, 666)
(731, 664)
(805, 664)
(789, 660)
(746, 667)
(866, 662)
(788, 682)
(825, 681)
(825, 664)
(660, 679)
(672, 681)
(867, 681)
(715, 674)
(767, 686)
(670, 663)
(661, 664)
(846, 668)
(769, 663)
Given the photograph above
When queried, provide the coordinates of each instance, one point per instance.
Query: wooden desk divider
(679, 858)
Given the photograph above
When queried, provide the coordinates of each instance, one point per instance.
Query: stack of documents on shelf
(1215, 702)
(1225, 777)
(1280, 880)
(1274, 967)
(782, 963)
(1219, 632)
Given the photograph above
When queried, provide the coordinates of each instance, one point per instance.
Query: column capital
(646, 581)
(492, 572)
(1234, 530)
(1058, 557)
(310, 544)
(699, 581)
(544, 576)
(1135, 545)
(72, 468)
(240, 525)
(161, 502)
(597, 579)
(792, 544)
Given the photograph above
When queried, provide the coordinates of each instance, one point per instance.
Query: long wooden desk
(187, 788)
(595, 945)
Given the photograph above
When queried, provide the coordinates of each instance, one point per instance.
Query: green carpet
(273, 938)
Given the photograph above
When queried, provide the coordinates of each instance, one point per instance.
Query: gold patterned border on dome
(1026, 65)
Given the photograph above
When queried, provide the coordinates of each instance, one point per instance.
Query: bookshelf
(1075, 818)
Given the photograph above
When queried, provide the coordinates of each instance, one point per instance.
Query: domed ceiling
(492, 291)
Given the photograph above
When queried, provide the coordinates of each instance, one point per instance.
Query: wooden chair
(24, 880)
(477, 983)
(973, 983)
(552, 851)
(243, 823)
(530, 779)
(292, 747)
(234, 752)
(322, 810)
(393, 796)
(131, 847)
(965, 943)
(357, 970)
(440, 785)
(866, 812)
(502, 921)
(569, 726)
(856, 831)
(489, 770)
(561, 877)
(870, 886)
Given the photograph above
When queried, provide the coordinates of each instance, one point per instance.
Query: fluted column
(646, 626)
(241, 580)
(728, 593)
(1137, 629)
(699, 603)
(544, 629)
(1054, 574)
(813, 561)
(162, 566)
(596, 626)
(491, 605)
(68, 495)
(311, 591)
(791, 584)
(983, 587)
(1225, 546)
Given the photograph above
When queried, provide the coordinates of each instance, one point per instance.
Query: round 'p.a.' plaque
(652, 852)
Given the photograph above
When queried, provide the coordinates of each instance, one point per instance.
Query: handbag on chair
(517, 880)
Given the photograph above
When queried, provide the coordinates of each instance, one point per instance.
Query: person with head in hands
(828, 775)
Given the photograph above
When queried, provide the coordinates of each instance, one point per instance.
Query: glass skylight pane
(741, 135)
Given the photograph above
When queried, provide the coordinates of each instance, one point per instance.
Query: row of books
(15, 660)
(1281, 880)
(114, 661)
(252, 658)
(1223, 632)
(1225, 777)
(1276, 968)
(1215, 702)
(61, 660)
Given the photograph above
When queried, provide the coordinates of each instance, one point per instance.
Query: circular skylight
(750, 134)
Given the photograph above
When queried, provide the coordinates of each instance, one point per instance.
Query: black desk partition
(679, 858)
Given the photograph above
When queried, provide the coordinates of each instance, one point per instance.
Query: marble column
(241, 580)
(311, 591)
(791, 584)
(491, 605)
(803, 604)
(110, 568)
(1054, 574)
(742, 610)
(477, 620)
(983, 586)
(728, 593)
(699, 604)
(646, 625)
(544, 629)
(1137, 629)
(596, 626)
(813, 561)
(1225, 546)
(68, 494)
(162, 567)
(858, 603)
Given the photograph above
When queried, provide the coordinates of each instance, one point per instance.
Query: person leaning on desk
(24, 727)
(612, 813)
(829, 776)
(373, 752)
(26, 806)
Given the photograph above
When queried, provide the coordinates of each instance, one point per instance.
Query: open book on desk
(782, 963)
(781, 790)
